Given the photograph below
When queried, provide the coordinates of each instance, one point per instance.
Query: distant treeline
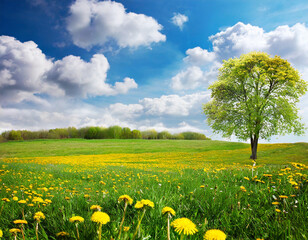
(113, 132)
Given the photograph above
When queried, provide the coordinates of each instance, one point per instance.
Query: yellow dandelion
(139, 205)
(283, 196)
(278, 210)
(6, 200)
(96, 207)
(100, 217)
(15, 198)
(125, 229)
(168, 210)
(1, 233)
(267, 175)
(37, 199)
(22, 201)
(243, 188)
(38, 216)
(185, 226)
(15, 230)
(202, 186)
(247, 178)
(19, 221)
(62, 234)
(76, 219)
(214, 234)
(147, 202)
(126, 198)
(275, 203)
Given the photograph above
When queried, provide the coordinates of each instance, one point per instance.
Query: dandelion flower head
(38, 216)
(96, 207)
(1, 233)
(100, 217)
(147, 202)
(76, 219)
(168, 210)
(15, 230)
(126, 198)
(139, 205)
(20, 222)
(185, 226)
(215, 234)
(62, 234)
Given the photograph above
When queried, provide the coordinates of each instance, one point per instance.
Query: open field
(209, 182)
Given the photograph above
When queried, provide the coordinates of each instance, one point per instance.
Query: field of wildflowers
(210, 194)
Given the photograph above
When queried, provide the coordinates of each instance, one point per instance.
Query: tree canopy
(255, 97)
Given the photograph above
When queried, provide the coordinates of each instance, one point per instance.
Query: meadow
(214, 184)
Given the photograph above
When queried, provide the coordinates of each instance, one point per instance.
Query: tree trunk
(254, 147)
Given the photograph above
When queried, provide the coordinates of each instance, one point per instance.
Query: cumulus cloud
(174, 104)
(26, 72)
(81, 79)
(288, 42)
(166, 105)
(198, 56)
(22, 69)
(93, 22)
(285, 41)
(148, 113)
(194, 77)
(179, 19)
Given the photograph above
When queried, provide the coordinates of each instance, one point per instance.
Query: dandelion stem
(77, 231)
(168, 227)
(22, 232)
(125, 206)
(138, 225)
(36, 230)
(100, 231)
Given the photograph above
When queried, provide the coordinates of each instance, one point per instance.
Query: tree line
(113, 132)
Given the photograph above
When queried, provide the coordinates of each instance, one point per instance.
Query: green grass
(67, 147)
(241, 215)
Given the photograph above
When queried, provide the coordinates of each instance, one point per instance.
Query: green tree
(126, 133)
(255, 98)
(15, 135)
(136, 134)
(164, 135)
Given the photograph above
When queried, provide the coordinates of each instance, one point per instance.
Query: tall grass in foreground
(270, 204)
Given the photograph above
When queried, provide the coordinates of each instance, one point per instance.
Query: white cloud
(198, 56)
(25, 72)
(194, 77)
(179, 19)
(149, 113)
(22, 66)
(93, 22)
(125, 111)
(174, 105)
(288, 42)
(81, 79)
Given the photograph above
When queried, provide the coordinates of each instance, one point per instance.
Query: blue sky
(136, 63)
